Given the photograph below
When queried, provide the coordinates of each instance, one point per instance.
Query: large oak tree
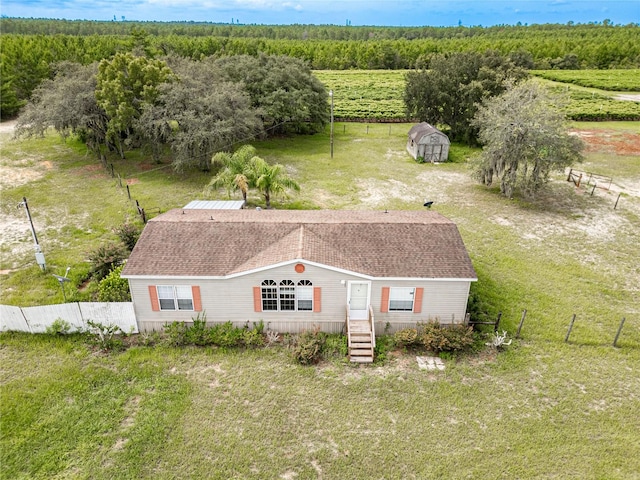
(525, 138)
(447, 94)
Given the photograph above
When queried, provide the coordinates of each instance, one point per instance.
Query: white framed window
(304, 294)
(287, 295)
(175, 297)
(269, 295)
(401, 299)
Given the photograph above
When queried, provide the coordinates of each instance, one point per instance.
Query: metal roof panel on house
(218, 243)
(215, 204)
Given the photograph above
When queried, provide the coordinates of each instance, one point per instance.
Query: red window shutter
(197, 299)
(153, 293)
(257, 299)
(384, 303)
(317, 302)
(417, 300)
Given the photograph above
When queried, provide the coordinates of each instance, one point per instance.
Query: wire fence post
(573, 319)
(524, 314)
(615, 340)
(617, 199)
(495, 327)
(128, 192)
(112, 173)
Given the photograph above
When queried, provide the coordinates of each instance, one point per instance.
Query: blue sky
(337, 12)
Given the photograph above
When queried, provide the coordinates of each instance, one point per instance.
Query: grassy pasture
(543, 408)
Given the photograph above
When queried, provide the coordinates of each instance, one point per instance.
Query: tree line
(30, 47)
(34, 26)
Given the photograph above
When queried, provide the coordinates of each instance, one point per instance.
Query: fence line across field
(37, 319)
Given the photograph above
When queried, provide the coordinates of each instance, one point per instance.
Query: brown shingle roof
(224, 242)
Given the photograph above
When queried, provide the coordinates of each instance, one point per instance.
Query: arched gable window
(287, 295)
(269, 295)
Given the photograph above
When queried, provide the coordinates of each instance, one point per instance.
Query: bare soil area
(630, 97)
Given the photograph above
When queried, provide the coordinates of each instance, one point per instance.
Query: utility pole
(39, 255)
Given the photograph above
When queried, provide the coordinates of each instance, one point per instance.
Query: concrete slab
(430, 363)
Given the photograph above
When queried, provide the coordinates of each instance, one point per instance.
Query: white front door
(358, 296)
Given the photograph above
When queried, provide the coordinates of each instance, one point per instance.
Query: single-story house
(427, 142)
(298, 270)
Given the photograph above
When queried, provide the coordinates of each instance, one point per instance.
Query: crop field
(543, 408)
(611, 80)
(377, 94)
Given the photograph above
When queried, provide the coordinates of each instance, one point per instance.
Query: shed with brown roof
(299, 269)
(428, 144)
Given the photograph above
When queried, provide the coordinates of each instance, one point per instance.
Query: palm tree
(270, 179)
(234, 174)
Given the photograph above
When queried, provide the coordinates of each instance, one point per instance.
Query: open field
(542, 409)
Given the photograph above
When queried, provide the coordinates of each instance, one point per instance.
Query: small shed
(427, 142)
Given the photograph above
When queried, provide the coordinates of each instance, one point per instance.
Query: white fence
(37, 319)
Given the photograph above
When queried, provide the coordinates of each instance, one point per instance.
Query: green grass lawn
(542, 409)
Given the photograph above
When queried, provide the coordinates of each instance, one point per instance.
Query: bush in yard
(335, 345)
(441, 338)
(105, 337)
(225, 335)
(309, 347)
(406, 337)
(128, 234)
(176, 334)
(114, 288)
(58, 327)
(384, 344)
(252, 338)
(271, 338)
(198, 333)
(105, 258)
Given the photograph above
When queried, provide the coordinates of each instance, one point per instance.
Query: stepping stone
(430, 363)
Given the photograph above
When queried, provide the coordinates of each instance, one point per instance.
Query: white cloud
(293, 6)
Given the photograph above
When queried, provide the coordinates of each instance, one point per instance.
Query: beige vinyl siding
(445, 301)
(232, 300)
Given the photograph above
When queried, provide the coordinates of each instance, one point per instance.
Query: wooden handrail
(373, 328)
